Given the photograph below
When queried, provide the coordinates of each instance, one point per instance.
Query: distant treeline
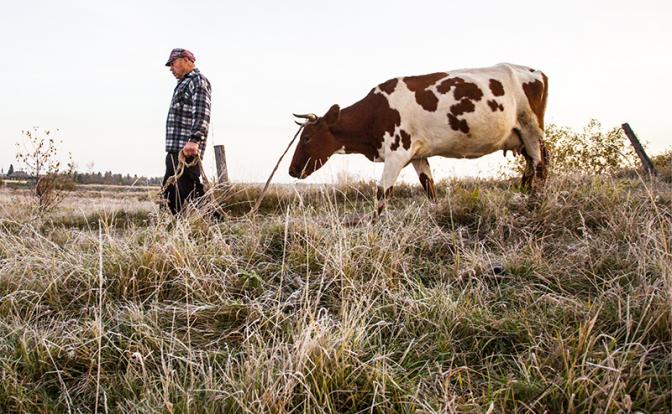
(92, 178)
(114, 179)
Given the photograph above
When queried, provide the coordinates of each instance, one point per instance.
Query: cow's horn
(309, 117)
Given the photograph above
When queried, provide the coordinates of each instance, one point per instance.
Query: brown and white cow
(463, 113)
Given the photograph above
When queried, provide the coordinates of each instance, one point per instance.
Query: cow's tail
(543, 173)
(542, 104)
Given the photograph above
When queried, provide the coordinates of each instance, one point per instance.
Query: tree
(10, 171)
(38, 153)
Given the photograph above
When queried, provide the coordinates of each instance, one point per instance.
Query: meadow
(489, 300)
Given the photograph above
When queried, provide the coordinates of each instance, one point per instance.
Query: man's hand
(190, 148)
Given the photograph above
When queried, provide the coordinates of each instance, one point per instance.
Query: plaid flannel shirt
(189, 114)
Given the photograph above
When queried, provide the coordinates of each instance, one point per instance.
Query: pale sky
(95, 70)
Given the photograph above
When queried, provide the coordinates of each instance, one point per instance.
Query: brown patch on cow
(444, 87)
(465, 93)
(380, 194)
(423, 180)
(458, 124)
(405, 139)
(464, 106)
(395, 144)
(387, 121)
(419, 85)
(462, 90)
(389, 86)
(427, 100)
(428, 185)
(494, 105)
(468, 90)
(496, 87)
(363, 126)
(537, 93)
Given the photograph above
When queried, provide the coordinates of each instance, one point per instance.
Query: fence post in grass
(220, 160)
(646, 162)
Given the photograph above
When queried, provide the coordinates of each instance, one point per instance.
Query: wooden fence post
(646, 162)
(220, 160)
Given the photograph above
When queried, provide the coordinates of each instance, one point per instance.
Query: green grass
(489, 300)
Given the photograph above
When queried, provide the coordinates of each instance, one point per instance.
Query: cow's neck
(353, 129)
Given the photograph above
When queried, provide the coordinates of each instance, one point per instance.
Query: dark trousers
(188, 186)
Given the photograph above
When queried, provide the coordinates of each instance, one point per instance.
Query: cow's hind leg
(425, 175)
(532, 131)
(534, 152)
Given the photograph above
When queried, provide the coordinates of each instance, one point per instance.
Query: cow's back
(460, 113)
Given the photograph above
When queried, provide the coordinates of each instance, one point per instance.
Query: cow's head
(317, 143)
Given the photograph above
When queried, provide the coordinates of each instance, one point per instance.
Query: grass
(487, 301)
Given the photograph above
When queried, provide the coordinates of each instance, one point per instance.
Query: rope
(268, 182)
(179, 171)
(181, 165)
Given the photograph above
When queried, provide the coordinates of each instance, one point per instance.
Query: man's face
(180, 67)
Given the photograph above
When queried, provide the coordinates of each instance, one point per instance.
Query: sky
(94, 71)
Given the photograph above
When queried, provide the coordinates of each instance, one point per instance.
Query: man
(186, 128)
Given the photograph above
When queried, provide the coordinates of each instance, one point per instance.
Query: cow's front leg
(391, 171)
(425, 175)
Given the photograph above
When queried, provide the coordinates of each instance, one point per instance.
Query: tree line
(108, 178)
(114, 179)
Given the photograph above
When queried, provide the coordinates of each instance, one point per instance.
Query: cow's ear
(332, 115)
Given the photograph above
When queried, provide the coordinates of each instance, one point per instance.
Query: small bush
(38, 153)
(589, 151)
(663, 165)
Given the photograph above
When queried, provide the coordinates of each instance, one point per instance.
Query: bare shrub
(38, 152)
(589, 151)
(663, 165)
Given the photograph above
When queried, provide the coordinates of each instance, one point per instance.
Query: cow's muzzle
(294, 173)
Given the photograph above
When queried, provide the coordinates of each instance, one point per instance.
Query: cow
(464, 113)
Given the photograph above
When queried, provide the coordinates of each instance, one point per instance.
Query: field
(488, 301)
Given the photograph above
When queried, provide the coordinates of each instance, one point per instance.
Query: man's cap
(180, 53)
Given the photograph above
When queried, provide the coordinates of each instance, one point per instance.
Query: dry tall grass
(488, 301)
